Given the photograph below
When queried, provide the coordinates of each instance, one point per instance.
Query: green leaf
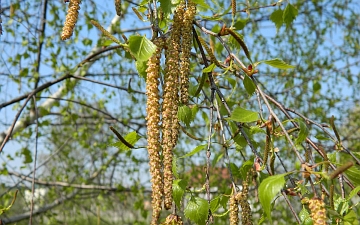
(353, 193)
(194, 151)
(215, 203)
(141, 67)
(353, 174)
(167, 6)
(202, 3)
(249, 85)
(185, 114)
(131, 138)
(194, 111)
(277, 18)
(141, 47)
(240, 24)
(243, 115)
(305, 217)
(351, 218)
(27, 154)
(304, 132)
(290, 14)
(179, 187)
(245, 167)
(316, 87)
(197, 210)
(278, 63)
(209, 68)
(268, 189)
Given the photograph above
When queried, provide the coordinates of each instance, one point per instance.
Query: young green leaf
(245, 168)
(194, 151)
(141, 67)
(130, 138)
(185, 114)
(351, 218)
(277, 18)
(179, 187)
(241, 23)
(202, 3)
(249, 85)
(209, 68)
(166, 6)
(197, 210)
(268, 189)
(290, 14)
(278, 63)
(304, 132)
(215, 203)
(353, 193)
(305, 217)
(141, 47)
(243, 115)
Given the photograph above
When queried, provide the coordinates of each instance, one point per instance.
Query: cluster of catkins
(163, 138)
(241, 199)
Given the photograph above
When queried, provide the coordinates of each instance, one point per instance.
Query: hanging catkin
(170, 125)
(153, 129)
(318, 213)
(234, 210)
(187, 37)
(71, 18)
(118, 7)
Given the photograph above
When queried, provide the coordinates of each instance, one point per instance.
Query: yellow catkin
(233, 8)
(118, 7)
(187, 37)
(318, 212)
(170, 126)
(173, 219)
(241, 198)
(153, 129)
(234, 210)
(71, 18)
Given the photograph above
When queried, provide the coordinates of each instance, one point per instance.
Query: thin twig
(35, 160)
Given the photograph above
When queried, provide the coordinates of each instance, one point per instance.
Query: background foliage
(86, 84)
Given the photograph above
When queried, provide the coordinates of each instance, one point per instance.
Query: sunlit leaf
(131, 138)
(351, 218)
(141, 47)
(179, 187)
(305, 218)
(353, 192)
(240, 24)
(194, 151)
(141, 67)
(277, 18)
(249, 85)
(278, 63)
(197, 210)
(209, 68)
(304, 132)
(268, 189)
(185, 114)
(243, 115)
(290, 14)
